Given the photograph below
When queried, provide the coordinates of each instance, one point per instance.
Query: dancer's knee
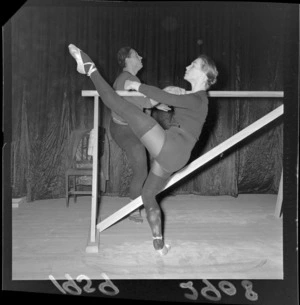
(153, 214)
(159, 171)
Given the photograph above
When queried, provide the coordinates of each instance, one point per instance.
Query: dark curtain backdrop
(245, 40)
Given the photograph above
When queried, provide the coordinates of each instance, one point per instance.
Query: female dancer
(170, 148)
(131, 63)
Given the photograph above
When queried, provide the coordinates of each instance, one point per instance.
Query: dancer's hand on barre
(131, 85)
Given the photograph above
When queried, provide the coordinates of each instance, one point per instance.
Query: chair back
(82, 159)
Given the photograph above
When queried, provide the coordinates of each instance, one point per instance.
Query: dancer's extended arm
(180, 101)
(140, 101)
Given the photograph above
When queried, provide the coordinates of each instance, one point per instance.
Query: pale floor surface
(211, 238)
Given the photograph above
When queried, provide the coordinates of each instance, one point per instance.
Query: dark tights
(152, 187)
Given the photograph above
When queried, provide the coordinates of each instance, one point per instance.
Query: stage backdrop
(245, 40)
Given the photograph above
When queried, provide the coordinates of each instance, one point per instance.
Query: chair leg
(67, 190)
(75, 197)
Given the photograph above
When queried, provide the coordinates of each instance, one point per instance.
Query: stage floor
(211, 238)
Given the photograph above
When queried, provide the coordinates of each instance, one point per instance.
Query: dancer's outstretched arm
(180, 101)
(140, 101)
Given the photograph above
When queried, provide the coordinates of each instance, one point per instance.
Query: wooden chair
(82, 167)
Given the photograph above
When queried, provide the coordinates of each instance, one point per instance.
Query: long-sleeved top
(140, 101)
(190, 110)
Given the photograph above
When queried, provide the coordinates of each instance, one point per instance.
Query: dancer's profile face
(194, 71)
(134, 59)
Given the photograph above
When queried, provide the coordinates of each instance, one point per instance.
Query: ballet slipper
(165, 249)
(76, 53)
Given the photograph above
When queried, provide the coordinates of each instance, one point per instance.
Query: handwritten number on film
(71, 287)
(211, 293)
(250, 294)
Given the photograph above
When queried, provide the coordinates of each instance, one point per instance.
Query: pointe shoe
(75, 52)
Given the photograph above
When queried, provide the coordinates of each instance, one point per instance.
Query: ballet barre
(92, 246)
(273, 94)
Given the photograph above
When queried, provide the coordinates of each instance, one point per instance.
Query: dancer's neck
(198, 87)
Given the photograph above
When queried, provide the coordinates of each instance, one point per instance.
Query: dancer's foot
(136, 216)
(164, 250)
(84, 63)
(160, 246)
(158, 242)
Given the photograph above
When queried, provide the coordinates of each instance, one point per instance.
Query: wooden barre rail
(276, 94)
(196, 164)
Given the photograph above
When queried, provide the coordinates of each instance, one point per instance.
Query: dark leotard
(190, 112)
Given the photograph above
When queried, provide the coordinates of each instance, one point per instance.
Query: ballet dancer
(170, 149)
(131, 63)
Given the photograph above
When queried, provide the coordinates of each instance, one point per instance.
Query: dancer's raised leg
(139, 122)
(150, 133)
